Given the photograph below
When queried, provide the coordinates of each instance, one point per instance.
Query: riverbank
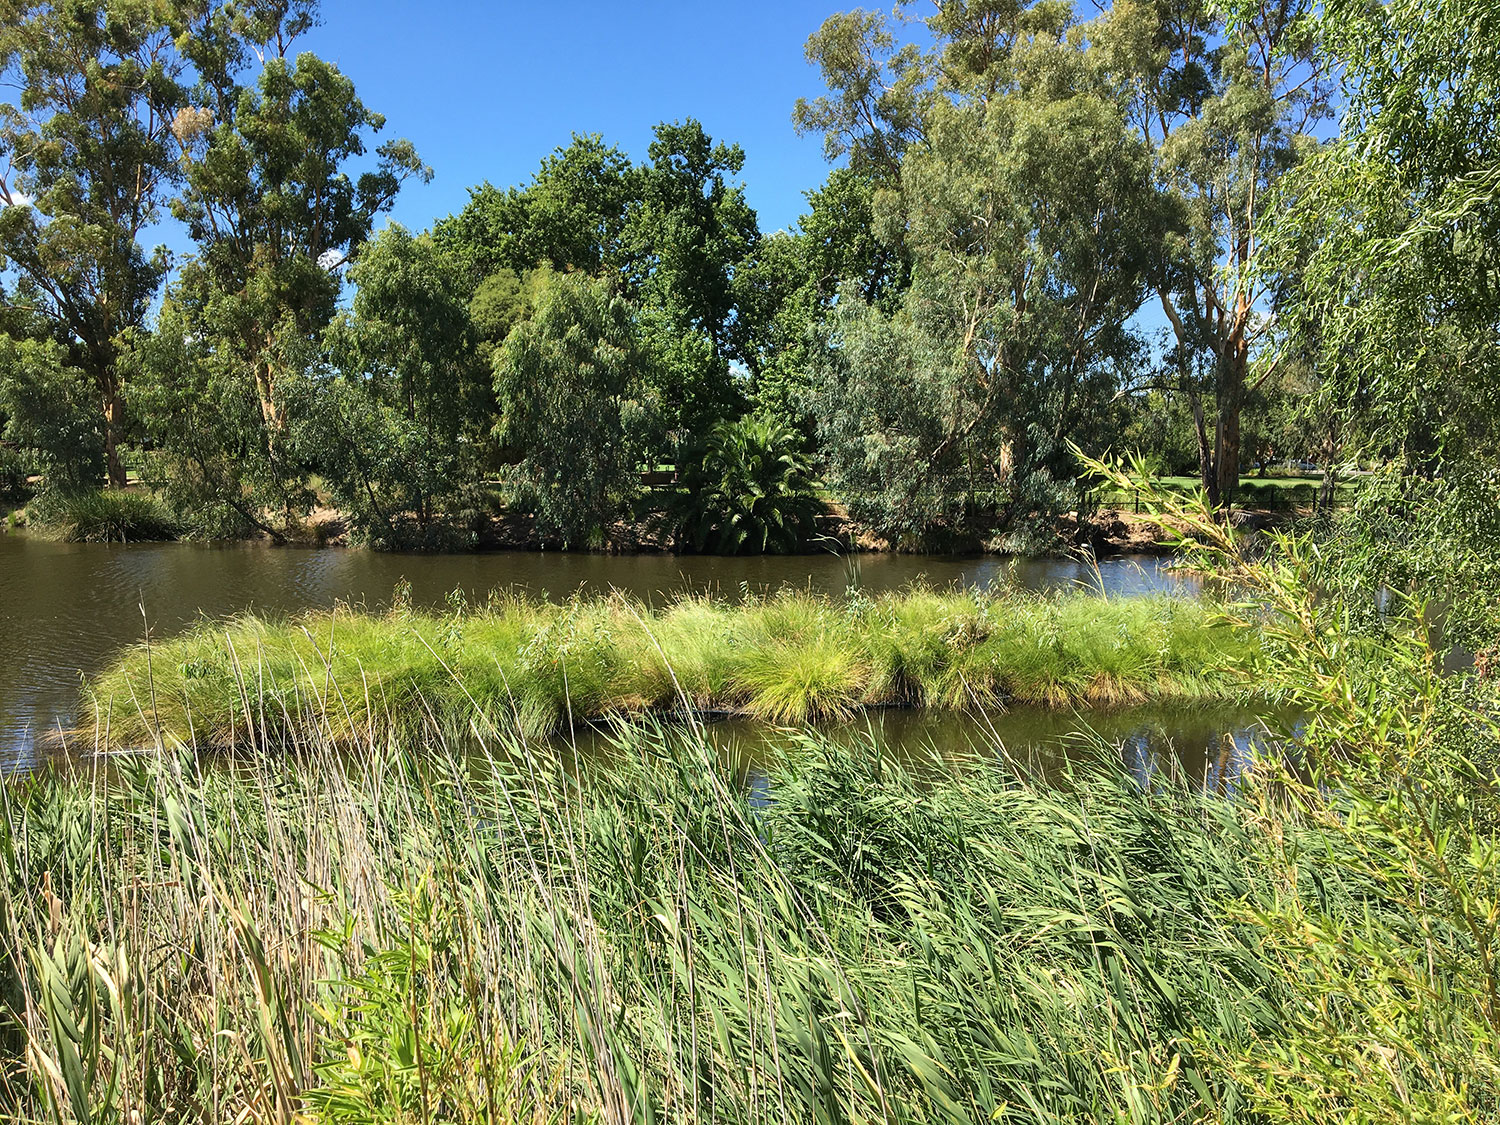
(135, 515)
(437, 926)
(537, 667)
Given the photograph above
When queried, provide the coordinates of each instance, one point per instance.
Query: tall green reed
(375, 921)
(404, 934)
(1380, 908)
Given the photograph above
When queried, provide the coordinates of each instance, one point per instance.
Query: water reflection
(1204, 747)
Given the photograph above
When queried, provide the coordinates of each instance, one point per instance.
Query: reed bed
(413, 928)
(404, 933)
(105, 516)
(397, 935)
(536, 668)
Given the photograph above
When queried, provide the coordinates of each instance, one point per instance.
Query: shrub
(109, 516)
(1377, 908)
(15, 469)
(751, 490)
(51, 413)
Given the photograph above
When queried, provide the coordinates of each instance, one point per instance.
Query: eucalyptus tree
(576, 409)
(1227, 97)
(270, 201)
(88, 161)
(1026, 214)
(398, 427)
(879, 90)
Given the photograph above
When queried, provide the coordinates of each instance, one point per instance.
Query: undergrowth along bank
(388, 937)
(397, 931)
(534, 667)
(104, 516)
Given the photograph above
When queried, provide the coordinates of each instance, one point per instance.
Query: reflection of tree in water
(1151, 756)
(1141, 759)
(1224, 770)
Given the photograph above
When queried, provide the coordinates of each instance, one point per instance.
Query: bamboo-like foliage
(1381, 863)
(395, 936)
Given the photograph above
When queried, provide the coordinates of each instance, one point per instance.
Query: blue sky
(486, 90)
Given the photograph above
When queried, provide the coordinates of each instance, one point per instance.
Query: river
(67, 608)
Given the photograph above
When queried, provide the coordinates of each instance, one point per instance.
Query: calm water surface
(1206, 746)
(66, 608)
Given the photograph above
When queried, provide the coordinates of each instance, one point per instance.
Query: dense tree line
(1019, 189)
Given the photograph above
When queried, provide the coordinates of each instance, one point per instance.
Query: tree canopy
(1302, 195)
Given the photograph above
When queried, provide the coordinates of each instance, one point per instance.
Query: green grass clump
(536, 668)
(105, 516)
(795, 658)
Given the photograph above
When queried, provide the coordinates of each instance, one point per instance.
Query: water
(1201, 746)
(67, 608)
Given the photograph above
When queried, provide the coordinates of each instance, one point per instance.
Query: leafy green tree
(575, 411)
(571, 216)
(749, 491)
(399, 431)
(1278, 427)
(1392, 234)
(497, 305)
(787, 287)
(1226, 97)
(844, 246)
(275, 213)
(687, 227)
(88, 156)
(209, 424)
(781, 313)
(51, 412)
(1159, 429)
(1026, 216)
(687, 230)
(886, 401)
(673, 229)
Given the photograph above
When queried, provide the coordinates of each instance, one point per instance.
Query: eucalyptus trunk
(114, 425)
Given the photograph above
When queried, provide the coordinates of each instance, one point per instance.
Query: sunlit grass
(401, 932)
(536, 668)
(395, 935)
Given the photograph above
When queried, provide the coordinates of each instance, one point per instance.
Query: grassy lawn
(1274, 491)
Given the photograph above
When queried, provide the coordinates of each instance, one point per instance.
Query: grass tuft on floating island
(536, 667)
